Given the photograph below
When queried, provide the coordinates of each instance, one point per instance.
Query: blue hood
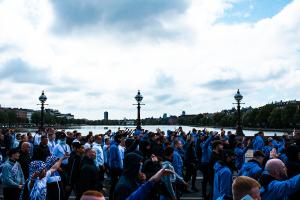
(249, 165)
(218, 167)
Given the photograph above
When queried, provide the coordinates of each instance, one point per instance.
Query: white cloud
(108, 68)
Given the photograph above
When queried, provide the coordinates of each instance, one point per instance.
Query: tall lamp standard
(139, 99)
(238, 97)
(42, 99)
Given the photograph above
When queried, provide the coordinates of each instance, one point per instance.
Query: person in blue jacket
(240, 152)
(268, 147)
(223, 175)
(253, 168)
(274, 182)
(206, 153)
(147, 188)
(177, 159)
(115, 163)
(258, 141)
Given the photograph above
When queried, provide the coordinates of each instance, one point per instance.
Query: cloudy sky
(92, 56)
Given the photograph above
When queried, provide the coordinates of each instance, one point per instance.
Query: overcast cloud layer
(92, 56)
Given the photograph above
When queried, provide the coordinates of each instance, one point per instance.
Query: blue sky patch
(253, 10)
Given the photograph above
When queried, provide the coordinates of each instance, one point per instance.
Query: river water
(102, 129)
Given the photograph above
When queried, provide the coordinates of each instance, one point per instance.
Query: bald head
(25, 147)
(276, 168)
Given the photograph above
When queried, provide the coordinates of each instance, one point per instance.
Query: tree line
(267, 116)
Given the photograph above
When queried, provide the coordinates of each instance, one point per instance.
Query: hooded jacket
(206, 150)
(273, 189)
(222, 180)
(240, 156)
(258, 143)
(252, 169)
(177, 163)
(128, 182)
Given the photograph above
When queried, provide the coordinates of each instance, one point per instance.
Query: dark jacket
(89, 175)
(74, 165)
(41, 153)
(128, 182)
(24, 161)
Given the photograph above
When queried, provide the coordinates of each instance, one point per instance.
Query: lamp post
(42, 99)
(238, 97)
(139, 99)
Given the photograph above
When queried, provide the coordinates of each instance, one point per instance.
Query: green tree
(275, 118)
(263, 115)
(287, 115)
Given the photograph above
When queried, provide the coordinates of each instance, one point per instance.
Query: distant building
(165, 116)
(106, 116)
(183, 113)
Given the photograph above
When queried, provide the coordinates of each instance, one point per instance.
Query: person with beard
(74, 165)
(223, 175)
(274, 182)
(191, 164)
(42, 150)
(115, 163)
(129, 181)
(89, 172)
(254, 167)
(217, 147)
(25, 159)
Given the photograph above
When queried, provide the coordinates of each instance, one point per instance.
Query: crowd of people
(140, 164)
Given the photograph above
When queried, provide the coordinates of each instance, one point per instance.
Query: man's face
(44, 141)
(99, 140)
(51, 137)
(220, 147)
(179, 144)
(26, 148)
(80, 150)
(16, 156)
(25, 138)
(92, 154)
(255, 193)
(282, 172)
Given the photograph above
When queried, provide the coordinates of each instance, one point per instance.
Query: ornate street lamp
(42, 99)
(238, 97)
(139, 99)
